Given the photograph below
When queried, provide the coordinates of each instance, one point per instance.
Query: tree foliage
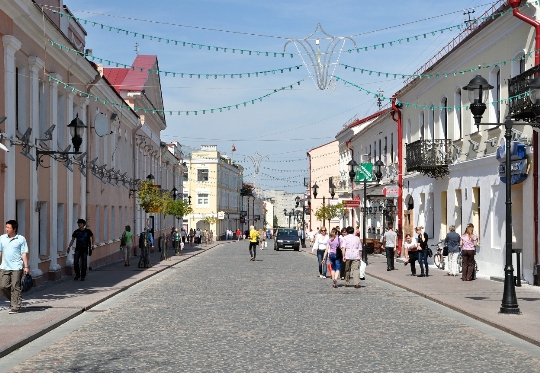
(328, 212)
(152, 199)
(211, 220)
(178, 209)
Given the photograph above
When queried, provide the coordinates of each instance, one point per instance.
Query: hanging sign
(351, 203)
(391, 191)
(221, 215)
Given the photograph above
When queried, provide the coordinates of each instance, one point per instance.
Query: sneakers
(13, 310)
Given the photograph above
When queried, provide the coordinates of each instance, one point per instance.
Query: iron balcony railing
(430, 157)
(519, 102)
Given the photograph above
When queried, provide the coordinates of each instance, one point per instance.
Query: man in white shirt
(353, 255)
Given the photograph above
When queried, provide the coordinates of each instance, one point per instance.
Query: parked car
(286, 238)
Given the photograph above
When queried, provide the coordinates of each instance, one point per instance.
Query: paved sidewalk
(52, 304)
(479, 299)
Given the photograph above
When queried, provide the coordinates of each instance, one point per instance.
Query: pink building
(324, 168)
(44, 89)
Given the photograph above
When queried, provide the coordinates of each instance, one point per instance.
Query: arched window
(495, 81)
(444, 117)
(518, 64)
(458, 127)
(431, 124)
(421, 126)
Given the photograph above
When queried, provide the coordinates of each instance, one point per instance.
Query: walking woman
(422, 251)
(253, 240)
(452, 241)
(176, 241)
(410, 246)
(128, 239)
(320, 245)
(332, 247)
(262, 238)
(468, 243)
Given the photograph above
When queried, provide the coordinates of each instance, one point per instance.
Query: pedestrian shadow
(477, 298)
(529, 299)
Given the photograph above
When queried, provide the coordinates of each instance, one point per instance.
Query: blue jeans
(83, 257)
(322, 266)
(422, 260)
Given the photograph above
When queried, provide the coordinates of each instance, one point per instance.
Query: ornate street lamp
(150, 178)
(315, 187)
(476, 88)
(174, 193)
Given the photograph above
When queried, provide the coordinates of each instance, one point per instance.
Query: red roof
(364, 120)
(115, 76)
(131, 79)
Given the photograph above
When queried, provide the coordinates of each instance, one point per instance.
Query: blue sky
(288, 123)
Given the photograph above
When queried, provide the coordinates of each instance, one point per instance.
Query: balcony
(520, 103)
(429, 157)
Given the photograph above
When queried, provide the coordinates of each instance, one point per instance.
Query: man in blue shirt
(14, 255)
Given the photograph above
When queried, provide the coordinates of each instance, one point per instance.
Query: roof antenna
(137, 49)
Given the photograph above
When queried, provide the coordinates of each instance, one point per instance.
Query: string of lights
(172, 73)
(171, 41)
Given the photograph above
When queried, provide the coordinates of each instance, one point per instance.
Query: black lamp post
(174, 193)
(377, 171)
(76, 128)
(478, 90)
(150, 178)
(189, 200)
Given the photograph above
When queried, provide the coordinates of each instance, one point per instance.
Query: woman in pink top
(331, 249)
(468, 249)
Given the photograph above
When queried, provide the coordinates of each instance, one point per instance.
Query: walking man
(303, 237)
(353, 255)
(389, 239)
(14, 255)
(84, 240)
(253, 240)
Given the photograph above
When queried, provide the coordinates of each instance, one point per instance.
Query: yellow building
(212, 183)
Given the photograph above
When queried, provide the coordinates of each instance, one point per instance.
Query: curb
(79, 312)
(460, 310)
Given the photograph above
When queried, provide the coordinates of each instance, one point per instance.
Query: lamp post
(332, 194)
(76, 128)
(377, 171)
(174, 193)
(478, 90)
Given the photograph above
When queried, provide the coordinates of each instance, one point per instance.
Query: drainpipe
(515, 5)
(396, 110)
(89, 86)
(134, 157)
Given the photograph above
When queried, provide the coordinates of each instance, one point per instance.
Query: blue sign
(519, 166)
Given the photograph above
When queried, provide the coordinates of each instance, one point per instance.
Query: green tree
(179, 209)
(275, 221)
(328, 212)
(152, 199)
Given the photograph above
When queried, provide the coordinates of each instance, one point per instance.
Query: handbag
(362, 270)
(430, 252)
(123, 240)
(445, 251)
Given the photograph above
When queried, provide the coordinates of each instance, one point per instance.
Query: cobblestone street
(219, 312)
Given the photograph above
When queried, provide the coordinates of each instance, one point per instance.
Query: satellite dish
(101, 124)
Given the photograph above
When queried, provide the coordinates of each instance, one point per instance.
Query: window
(408, 131)
(20, 216)
(458, 211)
(380, 148)
(431, 125)
(457, 103)
(385, 150)
(392, 148)
(60, 221)
(96, 227)
(43, 226)
(60, 120)
(444, 214)
(202, 199)
(476, 210)
(185, 176)
(105, 223)
(202, 174)
(421, 126)
(43, 105)
(444, 117)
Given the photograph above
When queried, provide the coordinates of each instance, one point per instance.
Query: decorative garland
(436, 75)
(174, 74)
(169, 40)
(431, 107)
(170, 112)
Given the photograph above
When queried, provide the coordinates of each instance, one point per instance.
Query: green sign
(364, 171)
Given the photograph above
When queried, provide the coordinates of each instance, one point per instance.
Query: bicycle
(438, 258)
